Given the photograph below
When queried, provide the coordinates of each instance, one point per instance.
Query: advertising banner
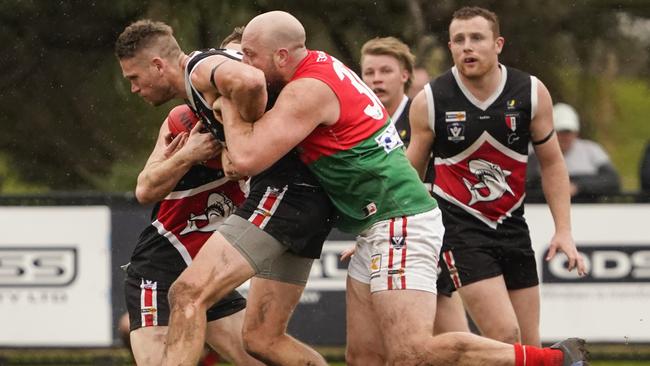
(55, 276)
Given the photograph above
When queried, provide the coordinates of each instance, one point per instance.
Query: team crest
(511, 121)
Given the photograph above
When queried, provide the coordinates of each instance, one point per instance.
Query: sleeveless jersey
(359, 160)
(183, 221)
(195, 98)
(288, 169)
(481, 151)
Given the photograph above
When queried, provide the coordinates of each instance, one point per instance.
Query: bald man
(345, 136)
(273, 237)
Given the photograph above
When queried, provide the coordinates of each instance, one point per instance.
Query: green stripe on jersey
(371, 182)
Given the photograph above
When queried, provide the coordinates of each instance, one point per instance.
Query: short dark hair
(143, 34)
(469, 12)
(235, 36)
(391, 46)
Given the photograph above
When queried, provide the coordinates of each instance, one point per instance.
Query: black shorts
(146, 302)
(463, 266)
(298, 215)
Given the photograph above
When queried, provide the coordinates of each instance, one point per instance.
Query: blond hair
(392, 46)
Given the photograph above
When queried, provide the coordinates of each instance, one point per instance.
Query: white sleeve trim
(533, 97)
(430, 107)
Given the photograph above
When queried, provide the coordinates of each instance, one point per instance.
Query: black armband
(548, 137)
(215, 69)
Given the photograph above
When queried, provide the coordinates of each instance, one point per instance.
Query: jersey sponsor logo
(389, 139)
(397, 242)
(511, 104)
(370, 209)
(604, 263)
(456, 132)
(375, 265)
(455, 116)
(218, 207)
(491, 183)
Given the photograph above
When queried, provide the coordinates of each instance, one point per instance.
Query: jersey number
(373, 110)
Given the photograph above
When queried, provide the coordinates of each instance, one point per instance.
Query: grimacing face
(146, 80)
(261, 57)
(385, 76)
(473, 46)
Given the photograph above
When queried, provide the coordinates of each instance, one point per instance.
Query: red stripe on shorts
(404, 253)
(147, 303)
(391, 233)
(451, 265)
(264, 208)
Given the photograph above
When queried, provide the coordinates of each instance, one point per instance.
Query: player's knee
(507, 334)
(256, 342)
(184, 295)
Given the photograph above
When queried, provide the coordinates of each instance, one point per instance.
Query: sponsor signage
(611, 303)
(55, 276)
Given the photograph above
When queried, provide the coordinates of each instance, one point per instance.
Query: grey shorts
(268, 257)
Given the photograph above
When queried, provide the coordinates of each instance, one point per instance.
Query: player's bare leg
(217, 269)
(488, 303)
(526, 303)
(450, 315)
(224, 335)
(365, 345)
(270, 305)
(409, 340)
(148, 344)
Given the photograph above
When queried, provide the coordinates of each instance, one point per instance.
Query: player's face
(474, 47)
(146, 80)
(385, 76)
(261, 57)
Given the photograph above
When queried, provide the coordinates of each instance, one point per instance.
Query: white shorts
(400, 253)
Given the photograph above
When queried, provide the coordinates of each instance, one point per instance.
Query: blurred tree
(69, 121)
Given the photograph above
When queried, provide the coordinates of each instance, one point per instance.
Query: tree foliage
(69, 121)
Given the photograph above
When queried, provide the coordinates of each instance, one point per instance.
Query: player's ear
(281, 56)
(158, 63)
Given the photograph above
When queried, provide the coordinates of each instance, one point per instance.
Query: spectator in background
(420, 78)
(590, 170)
(645, 169)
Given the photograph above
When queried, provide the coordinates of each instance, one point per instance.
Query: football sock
(533, 356)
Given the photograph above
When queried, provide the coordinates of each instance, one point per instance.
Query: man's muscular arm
(555, 180)
(241, 83)
(421, 134)
(303, 105)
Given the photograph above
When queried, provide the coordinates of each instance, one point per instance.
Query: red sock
(533, 356)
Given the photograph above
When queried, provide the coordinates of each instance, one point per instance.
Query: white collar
(488, 102)
(400, 109)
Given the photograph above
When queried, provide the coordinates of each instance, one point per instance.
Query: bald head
(274, 42)
(276, 29)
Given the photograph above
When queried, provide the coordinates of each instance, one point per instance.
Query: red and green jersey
(359, 160)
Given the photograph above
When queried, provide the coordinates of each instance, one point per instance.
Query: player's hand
(174, 143)
(200, 146)
(347, 253)
(563, 242)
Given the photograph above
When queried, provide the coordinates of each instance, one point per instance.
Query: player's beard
(163, 96)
